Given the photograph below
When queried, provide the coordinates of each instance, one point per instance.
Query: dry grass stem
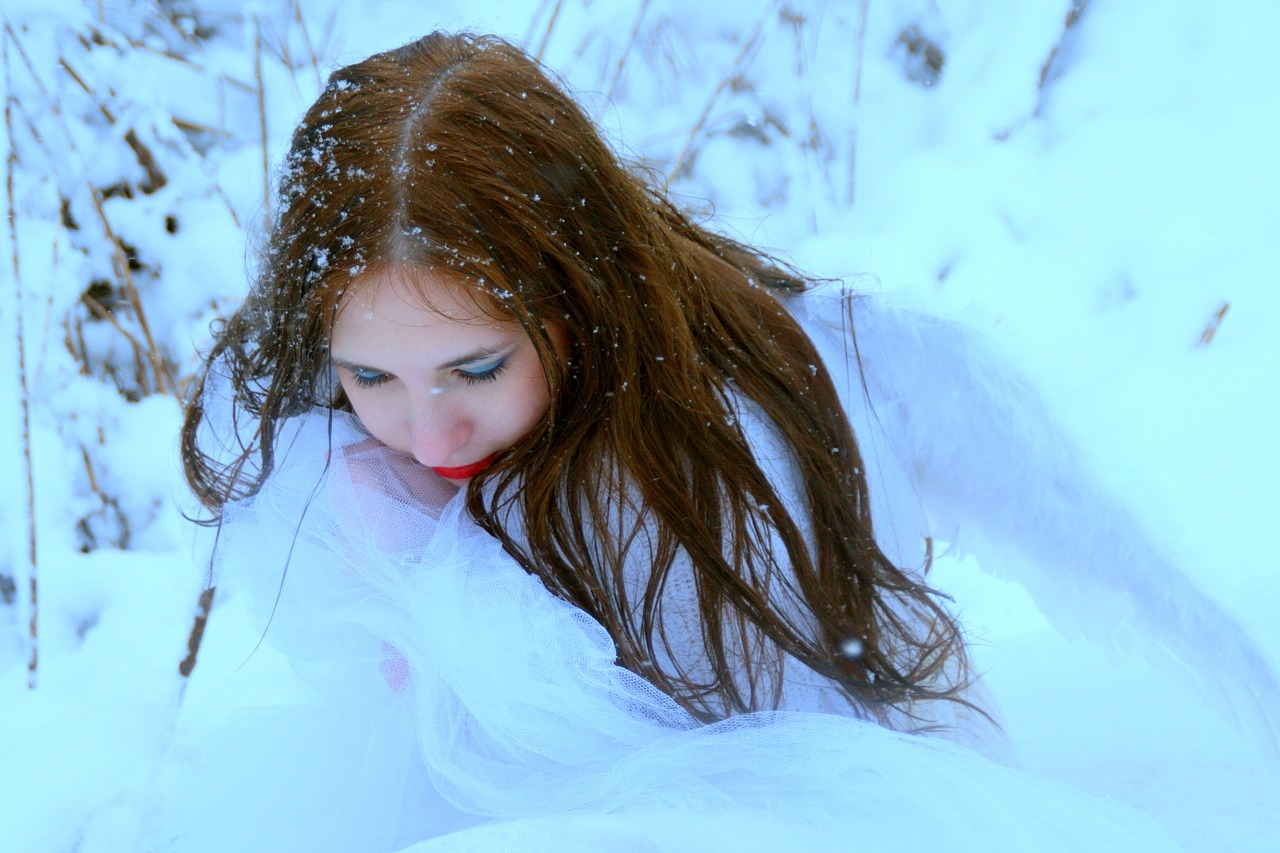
(144, 354)
(203, 606)
(626, 51)
(1073, 17)
(306, 42)
(859, 52)
(24, 399)
(191, 127)
(262, 113)
(184, 60)
(163, 378)
(1215, 323)
(88, 470)
(71, 72)
(551, 25)
(533, 22)
(810, 142)
(170, 17)
(54, 107)
(734, 74)
(101, 312)
(231, 208)
(155, 175)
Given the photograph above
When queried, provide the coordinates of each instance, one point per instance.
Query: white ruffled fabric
(419, 632)
(460, 706)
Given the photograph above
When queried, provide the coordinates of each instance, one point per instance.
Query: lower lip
(464, 472)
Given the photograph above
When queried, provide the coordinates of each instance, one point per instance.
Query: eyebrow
(475, 355)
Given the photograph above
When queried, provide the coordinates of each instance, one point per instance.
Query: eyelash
(368, 379)
(486, 375)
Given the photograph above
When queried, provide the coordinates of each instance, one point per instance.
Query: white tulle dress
(455, 704)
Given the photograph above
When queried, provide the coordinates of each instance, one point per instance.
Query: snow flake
(852, 648)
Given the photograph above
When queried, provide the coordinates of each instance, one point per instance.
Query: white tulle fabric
(460, 706)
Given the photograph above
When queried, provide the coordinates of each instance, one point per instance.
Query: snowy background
(1091, 185)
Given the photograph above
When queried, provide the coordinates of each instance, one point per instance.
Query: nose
(438, 430)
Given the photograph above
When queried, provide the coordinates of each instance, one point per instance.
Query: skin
(432, 377)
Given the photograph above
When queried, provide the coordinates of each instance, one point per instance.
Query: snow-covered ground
(1097, 199)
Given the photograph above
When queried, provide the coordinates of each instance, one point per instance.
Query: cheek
(527, 408)
(380, 416)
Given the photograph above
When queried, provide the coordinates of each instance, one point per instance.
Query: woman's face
(432, 377)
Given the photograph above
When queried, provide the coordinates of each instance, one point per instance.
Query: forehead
(398, 292)
(393, 316)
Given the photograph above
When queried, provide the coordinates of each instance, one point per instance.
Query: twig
(33, 598)
(197, 67)
(306, 41)
(735, 73)
(171, 19)
(155, 176)
(1073, 17)
(533, 22)
(551, 25)
(128, 287)
(262, 112)
(857, 95)
(71, 72)
(164, 381)
(631, 40)
(203, 606)
(809, 144)
(88, 470)
(276, 45)
(1214, 323)
(231, 208)
(191, 127)
(103, 313)
(54, 106)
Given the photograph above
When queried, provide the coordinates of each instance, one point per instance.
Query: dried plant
(732, 77)
(1214, 324)
(546, 33)
(859, 53)
(626, 50)
(92, 171)
(24, 395)
(1072, 18)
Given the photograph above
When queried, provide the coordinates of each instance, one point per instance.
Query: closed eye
(366, 378)
(485, 372)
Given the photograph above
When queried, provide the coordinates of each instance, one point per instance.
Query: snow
(1091, 228)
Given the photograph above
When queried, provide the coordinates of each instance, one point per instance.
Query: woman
(583, 473)
(453, 174)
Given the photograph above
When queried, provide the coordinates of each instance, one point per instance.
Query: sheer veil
(510, 710)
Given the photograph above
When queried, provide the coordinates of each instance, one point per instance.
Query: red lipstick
(464, 472)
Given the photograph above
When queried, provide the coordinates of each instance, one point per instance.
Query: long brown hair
(457, 153)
